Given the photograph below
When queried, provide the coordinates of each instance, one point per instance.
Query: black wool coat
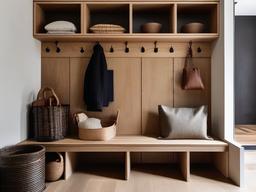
(98, 81)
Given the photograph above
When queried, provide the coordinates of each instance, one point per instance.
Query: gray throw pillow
(183, 123)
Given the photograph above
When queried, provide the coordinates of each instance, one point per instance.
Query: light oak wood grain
(134, 144)
(157, 89)
(55, 74)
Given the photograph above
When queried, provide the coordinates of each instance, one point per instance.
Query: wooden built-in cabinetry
(129, 14)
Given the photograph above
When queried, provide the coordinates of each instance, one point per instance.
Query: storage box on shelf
(130, 15)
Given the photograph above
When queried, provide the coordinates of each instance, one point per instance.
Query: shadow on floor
(113, 171)
(208, 171)
(163, 170)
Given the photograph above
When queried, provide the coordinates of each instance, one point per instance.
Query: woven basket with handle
(49, 117)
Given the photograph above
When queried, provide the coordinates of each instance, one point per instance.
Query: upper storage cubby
(206, 14)
(128, 20)
(153, 13)
(45, 13)
(116, 14)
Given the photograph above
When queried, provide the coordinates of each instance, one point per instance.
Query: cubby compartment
(202, 13)
(46, 13)
(117, 14)
(157, 13)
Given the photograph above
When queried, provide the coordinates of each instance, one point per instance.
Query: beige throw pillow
(60, 26)
(183, 123)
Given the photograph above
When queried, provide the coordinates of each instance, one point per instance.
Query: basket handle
(117, 116)
(42, 94)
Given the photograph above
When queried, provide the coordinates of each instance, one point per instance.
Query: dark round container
(22, 168)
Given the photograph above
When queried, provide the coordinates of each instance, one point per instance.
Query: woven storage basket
(49, 120)
(107, 29)
(106, 133)
(54, 167)
(22, 168)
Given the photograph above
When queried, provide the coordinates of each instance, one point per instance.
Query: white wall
(223, 75)
(19, 68)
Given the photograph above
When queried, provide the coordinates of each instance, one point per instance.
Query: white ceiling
(245, 7)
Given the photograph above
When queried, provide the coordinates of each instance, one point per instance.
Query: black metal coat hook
(171, 49)
(199, 50)
(190, 51)
(82, 50)
(142, 50)
(111, 49)
(57, 47)
(47, 49)
(156, 48)
(126, 47)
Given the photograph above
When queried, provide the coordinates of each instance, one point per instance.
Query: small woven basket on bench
(106, 133)
(22, 168)
(50, 119)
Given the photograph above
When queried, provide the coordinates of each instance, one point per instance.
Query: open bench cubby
(129, 15)
(126, 145)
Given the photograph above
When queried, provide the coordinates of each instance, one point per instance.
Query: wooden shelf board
(208, 37)
(133, 144)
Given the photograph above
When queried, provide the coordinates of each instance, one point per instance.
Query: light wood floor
(245, 134)
(154, 178)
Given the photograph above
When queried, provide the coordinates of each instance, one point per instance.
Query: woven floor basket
(22, 168)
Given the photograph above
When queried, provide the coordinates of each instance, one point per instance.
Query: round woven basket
(22, 168)
(54, 167)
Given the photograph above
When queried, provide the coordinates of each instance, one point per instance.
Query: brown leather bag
(191, 75)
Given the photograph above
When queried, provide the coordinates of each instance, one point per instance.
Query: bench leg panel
(221, 162)
(184, 159)
(127, 165)
(70, 164)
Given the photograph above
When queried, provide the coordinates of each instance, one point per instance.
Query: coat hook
(57, 47)
(156, 48)
(82, 50)
(142, 50)
(111, 49)
(199, 50)
(47, 49)
(171, 49)
(190, 51)
(126, 47)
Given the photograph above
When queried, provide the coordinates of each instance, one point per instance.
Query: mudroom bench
(128, 144)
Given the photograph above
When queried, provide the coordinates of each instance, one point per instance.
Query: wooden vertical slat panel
(190, 98)
(86, 18)
(193, 98)
(157, 88)
(77, 72)
(127, 92)
(174, 18)
(55, 74)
